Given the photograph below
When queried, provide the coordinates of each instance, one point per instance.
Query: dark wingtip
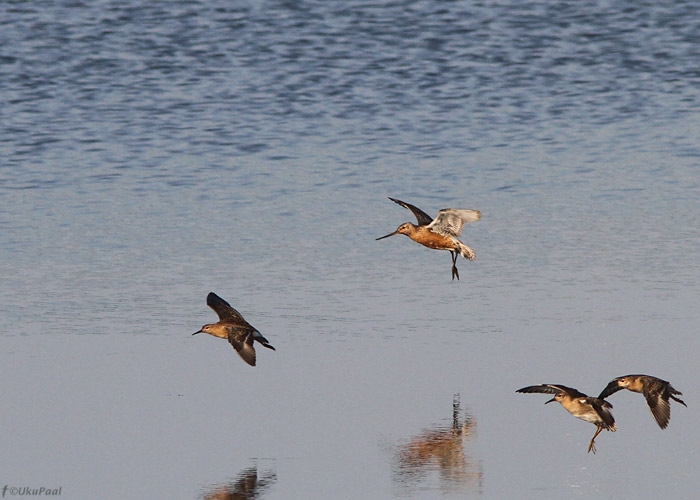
(610, 389)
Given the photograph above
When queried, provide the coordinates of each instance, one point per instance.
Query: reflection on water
(246, 486)
(440, 449)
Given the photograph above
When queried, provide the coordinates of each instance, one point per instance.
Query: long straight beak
(551, 400)
(195, 333)
(387, 235)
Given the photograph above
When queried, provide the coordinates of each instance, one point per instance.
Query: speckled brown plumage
(657, 392)
(588, 408)
(233, 327)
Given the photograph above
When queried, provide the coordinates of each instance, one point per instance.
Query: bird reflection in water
(440, 448)
(246, 486)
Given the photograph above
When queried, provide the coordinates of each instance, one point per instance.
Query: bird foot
(455, 273)
(591, 447)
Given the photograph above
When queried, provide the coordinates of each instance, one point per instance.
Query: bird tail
(258, 337)
(466, 252)
(677, 399)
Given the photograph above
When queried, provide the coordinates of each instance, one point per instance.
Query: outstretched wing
(552, 389)
(659, 407)
(223, 309)
(611, 388)
(450, 221)
(423, 218)
(602, 408)
(242, 342)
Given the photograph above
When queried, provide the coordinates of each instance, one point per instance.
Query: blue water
(152, 153)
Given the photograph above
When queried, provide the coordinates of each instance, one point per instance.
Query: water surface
(154, 153)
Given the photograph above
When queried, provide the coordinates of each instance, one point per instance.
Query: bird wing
(611, 388)
(423, 218)
(450, 221)
(602, 407)
(658, 404)
(552, 389)
(223, 309)
(242, 342)
(598, 402)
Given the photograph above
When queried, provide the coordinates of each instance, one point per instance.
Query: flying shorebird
(233, 327)
(656, 391)
(441, 233)
(590, 409)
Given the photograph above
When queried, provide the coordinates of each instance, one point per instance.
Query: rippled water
(152, 153)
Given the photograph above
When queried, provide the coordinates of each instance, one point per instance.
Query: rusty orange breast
(430, 239)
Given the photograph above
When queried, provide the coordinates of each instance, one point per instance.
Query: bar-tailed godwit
(656, 391)
(590, 409)
(233, 327)
(442, 233)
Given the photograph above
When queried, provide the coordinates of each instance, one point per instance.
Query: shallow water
(151, 155)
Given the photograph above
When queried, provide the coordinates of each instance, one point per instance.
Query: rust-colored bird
(590, 409)
(441, 233)
(657, 392)
(233, 327)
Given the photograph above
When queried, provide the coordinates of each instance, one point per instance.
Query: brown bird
(233, 327)
(656, 391)
(441, 233)
(590, 409)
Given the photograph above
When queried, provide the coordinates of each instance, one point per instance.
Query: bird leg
(591, 445)
(455, 272)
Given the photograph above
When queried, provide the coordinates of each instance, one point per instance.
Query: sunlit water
(150, 154)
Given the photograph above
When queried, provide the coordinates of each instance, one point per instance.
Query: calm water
(151, 154)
